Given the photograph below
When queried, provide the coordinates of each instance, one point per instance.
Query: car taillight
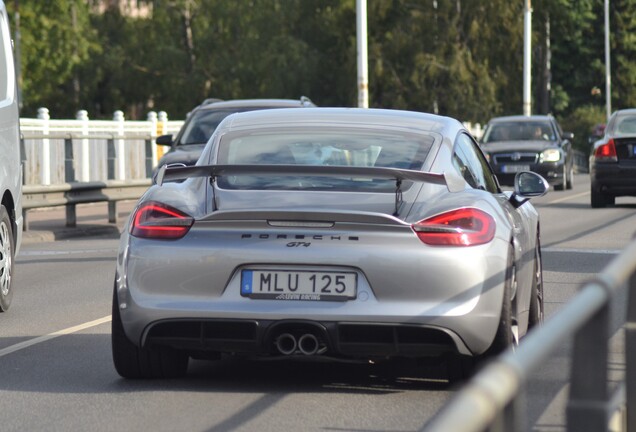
(606, 152)
(154, 220)
(461, 227)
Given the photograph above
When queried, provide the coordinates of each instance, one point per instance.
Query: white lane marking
(587, 251)
(568, 198)
(44, 338)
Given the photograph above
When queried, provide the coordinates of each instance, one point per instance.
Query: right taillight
(461, 227)
(606, 152)
(155, 220)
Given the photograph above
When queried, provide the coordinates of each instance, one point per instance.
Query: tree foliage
(461, 58)
(56, 40)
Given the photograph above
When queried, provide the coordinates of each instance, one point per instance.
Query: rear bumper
(613, 178)
(464, 322)
(334, 339)
(429, 301)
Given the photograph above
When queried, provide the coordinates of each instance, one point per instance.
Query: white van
(10, 165)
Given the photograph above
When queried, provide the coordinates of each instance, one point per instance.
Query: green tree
(56, 41)
(623, 51)
(460, 58)
(577, 52)
(439, 57)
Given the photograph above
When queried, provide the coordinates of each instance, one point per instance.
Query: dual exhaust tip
(307, 344)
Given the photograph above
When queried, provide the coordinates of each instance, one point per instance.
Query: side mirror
(528, 185)
(165, 140)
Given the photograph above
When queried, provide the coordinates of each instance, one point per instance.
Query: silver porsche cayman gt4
(354, 234)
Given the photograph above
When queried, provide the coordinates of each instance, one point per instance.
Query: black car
(613, 160)
(203, 120)
(529, 143)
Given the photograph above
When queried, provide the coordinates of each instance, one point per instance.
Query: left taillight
(606, 152)
(155, 220)
(461, 227)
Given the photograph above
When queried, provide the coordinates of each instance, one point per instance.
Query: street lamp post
(608, 78)
(527, 47)
(363, 69)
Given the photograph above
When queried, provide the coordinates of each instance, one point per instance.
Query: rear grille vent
(240, 336)
(360, 339)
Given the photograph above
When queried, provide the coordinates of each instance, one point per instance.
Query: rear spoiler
(166, 173)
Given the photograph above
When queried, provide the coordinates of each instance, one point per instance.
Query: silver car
(328, 232)
(11, 220)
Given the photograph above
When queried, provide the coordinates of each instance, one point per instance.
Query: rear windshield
(519, 131)
(625, 125)
(363, 148)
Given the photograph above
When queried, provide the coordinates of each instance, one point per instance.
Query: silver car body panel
(401, 281)
(10, 163)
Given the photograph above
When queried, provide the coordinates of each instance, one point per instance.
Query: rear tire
(459, 367)
(505, 337)
(563, 185)
(132, 361)
(569, 185)
(598, 200)
(7, 255)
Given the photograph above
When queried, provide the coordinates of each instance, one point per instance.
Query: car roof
(386, 118)
(629, 111)
(246, 103)
(521, 118)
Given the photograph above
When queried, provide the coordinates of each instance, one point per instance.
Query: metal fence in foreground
(493, 401)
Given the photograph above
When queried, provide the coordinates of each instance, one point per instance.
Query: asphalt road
(56, 371)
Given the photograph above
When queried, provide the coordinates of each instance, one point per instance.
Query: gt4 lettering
(298, 244)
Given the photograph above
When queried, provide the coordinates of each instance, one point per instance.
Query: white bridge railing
(83, 150)
(71, 162)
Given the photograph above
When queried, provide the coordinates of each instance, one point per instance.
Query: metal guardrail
(494, 399)
(581, 162)
(71, 194)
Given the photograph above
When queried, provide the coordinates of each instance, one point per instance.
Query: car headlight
(550, 155)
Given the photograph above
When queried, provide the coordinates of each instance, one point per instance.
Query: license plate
(298, 285)
(514, 168)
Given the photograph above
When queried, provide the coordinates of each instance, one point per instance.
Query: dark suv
(529, 143)
(203, 120)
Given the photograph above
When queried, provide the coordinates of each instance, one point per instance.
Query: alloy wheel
(6, 257)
